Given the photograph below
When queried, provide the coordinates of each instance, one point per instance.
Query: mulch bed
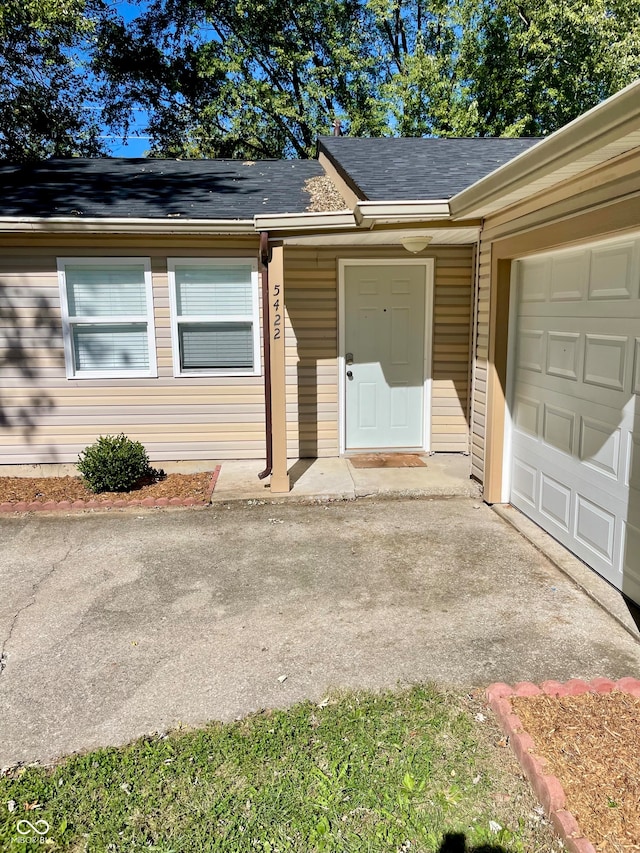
(21, 493)
(579, 745)
(591, 744)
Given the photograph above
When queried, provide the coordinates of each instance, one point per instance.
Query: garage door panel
(524, 483)
(530, 350)
(605, 361)
(534, 283)
(564, 355)
(575, 430)
(526, 415)
(614, 272)
(599, 446)
(558, 428)
(556, 501)
(595, 528)
(569, 276)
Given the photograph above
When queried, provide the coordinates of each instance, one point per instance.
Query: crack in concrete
(350, 473)
(34, 594)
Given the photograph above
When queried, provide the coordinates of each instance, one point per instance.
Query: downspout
(266, 337)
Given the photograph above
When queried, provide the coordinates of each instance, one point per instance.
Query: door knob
(349, 374)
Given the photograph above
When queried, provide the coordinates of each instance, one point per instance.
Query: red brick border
(45, 506)
(548, 788)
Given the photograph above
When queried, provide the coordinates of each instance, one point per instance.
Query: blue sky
(136, 145)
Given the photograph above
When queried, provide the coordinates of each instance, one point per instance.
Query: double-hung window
(214, 316)
(107, 317)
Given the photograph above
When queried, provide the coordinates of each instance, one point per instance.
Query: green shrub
(114, 463)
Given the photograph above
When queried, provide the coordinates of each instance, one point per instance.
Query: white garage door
(575, 374)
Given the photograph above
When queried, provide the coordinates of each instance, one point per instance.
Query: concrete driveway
(117, 624)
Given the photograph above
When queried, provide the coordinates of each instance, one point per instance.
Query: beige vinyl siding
(597, 190)
(311, 353)
(312, 346)
(49, 418)
(451, 338)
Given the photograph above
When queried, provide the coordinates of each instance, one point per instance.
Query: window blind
(108, 291)
(111, 347)
(216, 345)
(215, 290)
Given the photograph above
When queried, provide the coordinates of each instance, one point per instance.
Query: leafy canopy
(264, 78)
(45, 95)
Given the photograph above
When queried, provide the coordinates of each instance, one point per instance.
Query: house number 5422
(277, 317)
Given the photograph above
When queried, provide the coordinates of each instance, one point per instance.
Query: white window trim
(68, 321)
(253, 318)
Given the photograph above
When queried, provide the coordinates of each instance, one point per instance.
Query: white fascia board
(600, 126)
(79, 225)
(369, 213)
(326, 221)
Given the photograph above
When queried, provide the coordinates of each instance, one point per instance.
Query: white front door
(384, 355)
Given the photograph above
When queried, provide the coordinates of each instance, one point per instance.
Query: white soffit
(439, 237)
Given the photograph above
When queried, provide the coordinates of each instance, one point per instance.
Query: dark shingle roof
(388, 169)
(192, 189)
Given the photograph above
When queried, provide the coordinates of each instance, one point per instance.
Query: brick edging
(548, 788)
(120, 503)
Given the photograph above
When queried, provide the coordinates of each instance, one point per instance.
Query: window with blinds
(215, 320)
(107, 312)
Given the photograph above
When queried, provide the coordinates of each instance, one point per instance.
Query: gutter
(369, 213)
(366, 214)
(125, 225)
(328, 221)
(603, 124)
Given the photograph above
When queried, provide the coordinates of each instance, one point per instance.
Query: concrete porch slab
(337, 479)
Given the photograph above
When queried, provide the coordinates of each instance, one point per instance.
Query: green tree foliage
(257, 78)
(44, 91)
(533, 66)
(264, 78)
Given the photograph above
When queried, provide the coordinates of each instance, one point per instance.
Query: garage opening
(573, 423)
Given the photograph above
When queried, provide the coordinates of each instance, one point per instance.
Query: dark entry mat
(388, 460)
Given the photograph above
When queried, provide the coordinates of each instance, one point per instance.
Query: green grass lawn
(361, 772)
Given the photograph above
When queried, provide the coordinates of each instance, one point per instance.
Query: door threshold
(362, 451)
